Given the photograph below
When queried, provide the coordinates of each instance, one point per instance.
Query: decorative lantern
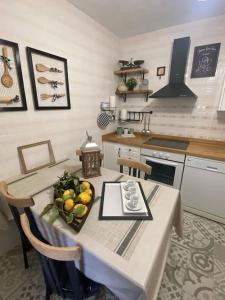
(91, 158)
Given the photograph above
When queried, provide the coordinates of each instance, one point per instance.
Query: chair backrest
(135, 167)
(14, 201)
(15, 204)
(60, 273)
(56, 253)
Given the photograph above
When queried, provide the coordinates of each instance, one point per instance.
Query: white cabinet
(203, 187)
(222, 98)
(112, 151)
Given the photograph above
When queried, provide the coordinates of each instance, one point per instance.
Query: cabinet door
(111, 153)
(222, 97)
(135, 153)
(129, 152)
(204, 190)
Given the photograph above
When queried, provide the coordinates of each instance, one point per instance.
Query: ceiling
(131, 17)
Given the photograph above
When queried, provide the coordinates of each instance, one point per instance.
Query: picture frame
(161, 71)
(25, 152)
(205, 60)
(12, 93)
(49, 80)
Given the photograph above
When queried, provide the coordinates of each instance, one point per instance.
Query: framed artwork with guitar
(49, 80)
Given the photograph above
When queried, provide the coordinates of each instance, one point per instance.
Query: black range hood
(176, 86)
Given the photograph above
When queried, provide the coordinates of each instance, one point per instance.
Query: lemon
(80, 210)
(89, 191)
(85, 185)
(68, 194)
(85, 197)
(69, 204)
(72, 193)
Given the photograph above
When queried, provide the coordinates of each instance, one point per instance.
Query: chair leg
(47, 293)
(26, 265)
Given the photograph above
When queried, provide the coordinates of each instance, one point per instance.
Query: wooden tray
(78, 223)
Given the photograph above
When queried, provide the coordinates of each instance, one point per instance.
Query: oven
(167, 168)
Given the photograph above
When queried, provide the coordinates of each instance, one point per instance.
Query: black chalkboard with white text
(205, 60)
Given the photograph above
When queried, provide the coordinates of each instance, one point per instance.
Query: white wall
(57, 27)
(180, 116)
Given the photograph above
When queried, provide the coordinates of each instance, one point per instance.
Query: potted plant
(131, 83)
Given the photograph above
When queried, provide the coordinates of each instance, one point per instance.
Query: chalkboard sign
(205, 60)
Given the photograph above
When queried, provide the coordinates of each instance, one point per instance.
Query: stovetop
(181, 145)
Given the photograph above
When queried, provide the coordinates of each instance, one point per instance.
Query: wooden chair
(15, 203)
(135, 167)
(60, 273)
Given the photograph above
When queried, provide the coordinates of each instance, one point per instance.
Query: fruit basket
(73, 200)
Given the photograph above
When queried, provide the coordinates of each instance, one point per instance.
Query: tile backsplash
(179, 116)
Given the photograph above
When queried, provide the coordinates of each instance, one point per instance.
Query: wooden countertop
(197, 147)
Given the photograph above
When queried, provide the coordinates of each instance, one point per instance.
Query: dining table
(126, 256)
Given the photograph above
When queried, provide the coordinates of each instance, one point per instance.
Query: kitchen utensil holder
(110, 111)
(131, 116)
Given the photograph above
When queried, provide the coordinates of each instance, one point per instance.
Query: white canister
(123, 114)
(112, 101)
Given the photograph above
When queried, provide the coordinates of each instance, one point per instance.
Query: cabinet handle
(212, 168)
(119, 152)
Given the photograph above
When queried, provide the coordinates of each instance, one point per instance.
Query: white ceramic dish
(128, 208)
(133, 207)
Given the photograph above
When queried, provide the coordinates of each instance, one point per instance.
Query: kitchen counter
(197, 147)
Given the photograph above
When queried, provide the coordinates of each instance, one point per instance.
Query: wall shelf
(134, 92)
(131, 71)
(124, 73)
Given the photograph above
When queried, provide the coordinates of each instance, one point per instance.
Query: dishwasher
(203, 188)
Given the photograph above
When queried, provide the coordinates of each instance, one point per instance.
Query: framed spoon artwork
(49, 80)
(12, 95)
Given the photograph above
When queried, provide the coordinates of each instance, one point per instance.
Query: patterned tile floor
(195, 268)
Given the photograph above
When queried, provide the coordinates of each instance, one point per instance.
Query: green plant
(131, 83)
(65, 182)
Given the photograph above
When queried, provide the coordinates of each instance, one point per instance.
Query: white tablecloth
(131, 273)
